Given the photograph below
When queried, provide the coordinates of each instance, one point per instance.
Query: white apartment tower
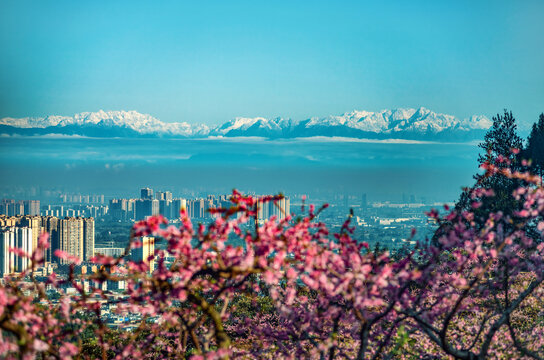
(14, 237)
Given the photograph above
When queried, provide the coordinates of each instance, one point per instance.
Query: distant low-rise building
(113, 252)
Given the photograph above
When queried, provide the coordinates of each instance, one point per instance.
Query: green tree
(498, 144)
(535, 147)
(499, 141)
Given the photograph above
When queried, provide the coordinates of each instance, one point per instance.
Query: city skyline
(76, 234)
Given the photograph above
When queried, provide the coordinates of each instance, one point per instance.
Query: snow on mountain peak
(144, 124)
(356, 123)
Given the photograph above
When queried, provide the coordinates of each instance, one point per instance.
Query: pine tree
(498, 143)
(535, 147)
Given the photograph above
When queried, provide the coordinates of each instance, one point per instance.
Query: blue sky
(209, 62)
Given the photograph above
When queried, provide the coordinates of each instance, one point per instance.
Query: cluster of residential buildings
(75, 210)
(163, 203)
(126, 210)
(72, 230)
(73, 235)
(22, 207)
(84, 199)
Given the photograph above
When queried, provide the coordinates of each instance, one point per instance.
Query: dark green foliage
(497, 148)
(244, 306)
(379, 249)
(535, 147)
(401, 253)
(499, 141)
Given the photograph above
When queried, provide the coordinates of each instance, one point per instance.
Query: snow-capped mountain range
(419, 124)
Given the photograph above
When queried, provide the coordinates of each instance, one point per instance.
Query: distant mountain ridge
(412, 124)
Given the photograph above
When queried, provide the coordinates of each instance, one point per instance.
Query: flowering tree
(293, 290)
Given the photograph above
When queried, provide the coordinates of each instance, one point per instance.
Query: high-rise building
(262, 210)
(11, 207)
(54, 210)
(145, 208)
(159, 195)
(176, 206)
(32, 207)
(119, 209)
(72, 235)
(189, 207)
(131, 208)
(7, 207)
(122, 209)
(154, 206)
(280, 209)
(145, 253)
(14, 237)
(146, 193)
(70, 238)
(165, 208)
(163, 195)
(50, 225)
(208, 204)
(88, 238)
(19, 208)
(7, 258)
(198, 209)
(8, 221)
(35, 223)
